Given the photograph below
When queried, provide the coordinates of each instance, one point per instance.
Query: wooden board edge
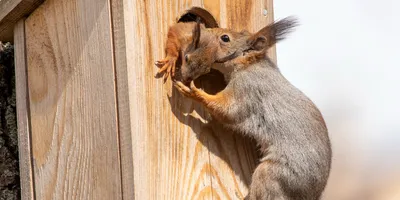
(23, 112)
(122, 90)
(270, 9)
(11, 12)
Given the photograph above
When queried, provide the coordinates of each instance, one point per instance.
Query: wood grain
(124, 122)
(72, 100)
(11, 11)
(175, 155)
(23, 117)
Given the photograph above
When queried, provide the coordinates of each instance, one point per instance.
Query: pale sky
(344, 56)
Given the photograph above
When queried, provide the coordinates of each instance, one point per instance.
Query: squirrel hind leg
(264, 184)
(166, 66)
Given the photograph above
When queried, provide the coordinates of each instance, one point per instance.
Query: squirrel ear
(196, 34)
(258, 42)
(195, 37)
(272, 33)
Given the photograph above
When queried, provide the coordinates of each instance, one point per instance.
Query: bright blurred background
(345, 57)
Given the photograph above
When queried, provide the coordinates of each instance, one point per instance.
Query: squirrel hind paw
(160, 63)
(164, 69)
(167, 68)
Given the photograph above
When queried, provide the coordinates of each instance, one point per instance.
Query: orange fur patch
(250, 58)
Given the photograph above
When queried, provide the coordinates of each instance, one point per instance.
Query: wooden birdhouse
(94, 122)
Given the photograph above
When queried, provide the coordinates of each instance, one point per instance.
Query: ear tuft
(283, 27)
(272, 33)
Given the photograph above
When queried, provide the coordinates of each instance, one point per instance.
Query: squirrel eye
(186, 58)
(225, 38)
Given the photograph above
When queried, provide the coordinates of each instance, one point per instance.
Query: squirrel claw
(193, 87)
(166, 74)
(161, 63)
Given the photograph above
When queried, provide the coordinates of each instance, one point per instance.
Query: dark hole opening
(188, 17)
(194, 12)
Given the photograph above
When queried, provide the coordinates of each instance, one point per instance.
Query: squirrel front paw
(191, 92)
(167, 66)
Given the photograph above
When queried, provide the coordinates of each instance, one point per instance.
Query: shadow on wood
(232, 147)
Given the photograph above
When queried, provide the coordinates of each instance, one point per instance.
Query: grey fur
(261, 103)
(288, 127)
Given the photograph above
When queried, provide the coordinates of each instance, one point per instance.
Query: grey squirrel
(261, 103)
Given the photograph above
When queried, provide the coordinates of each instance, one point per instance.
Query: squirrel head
(208, 46)
(219, 45)
(234, 44)
(199, 55)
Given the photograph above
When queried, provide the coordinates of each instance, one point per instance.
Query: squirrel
(179, 40)
(261, 103)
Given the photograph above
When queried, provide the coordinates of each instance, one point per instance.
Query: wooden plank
(72, 100)
(175, 155)
(23, 117)
(124, 122)
(269, 7)
(11, 11)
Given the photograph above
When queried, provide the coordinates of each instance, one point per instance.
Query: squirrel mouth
(227, 58)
